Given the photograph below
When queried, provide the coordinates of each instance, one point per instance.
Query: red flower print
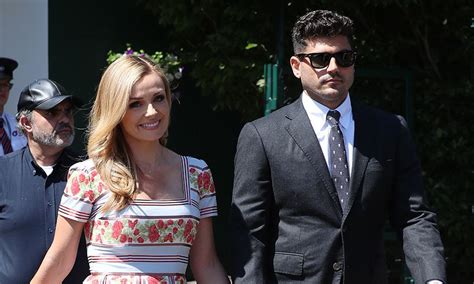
(180, 222)
(75, 187)
(168, 238)
(192, 170)
(152, 280)
(140, 240)
(206, 179)
(161, 224)
(175, 230)
(136, 232)
(131, 224)
(212, 189)
(200, 181)
(89, 194)
(106, 223)
(153, 234)
(123, 238)
(82, 177)
(117, 229)
(98, 239)
(102, 232)
(130, 240)
(123, 281)
(99, 188)
(170, 222)
(188, 227)
(93, 174)
(190, 239)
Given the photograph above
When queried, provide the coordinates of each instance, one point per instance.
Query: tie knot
(333, 117)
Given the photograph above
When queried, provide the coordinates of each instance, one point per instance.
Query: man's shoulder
(284, 113)
(71, 157)
(11, 164)
(376, 115)
(13, 156)
(9, 116)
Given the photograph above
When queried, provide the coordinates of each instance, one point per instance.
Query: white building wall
(24, 37)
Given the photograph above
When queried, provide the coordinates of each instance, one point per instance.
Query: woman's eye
(159, 98)
(134, 105)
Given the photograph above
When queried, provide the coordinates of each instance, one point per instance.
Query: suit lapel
(300, 129)
(363, 141)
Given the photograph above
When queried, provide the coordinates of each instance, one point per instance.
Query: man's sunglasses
(321, 60)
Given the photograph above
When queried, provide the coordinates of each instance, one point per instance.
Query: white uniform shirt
(17, 138)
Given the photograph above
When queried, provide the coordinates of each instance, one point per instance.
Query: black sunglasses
(344, 58)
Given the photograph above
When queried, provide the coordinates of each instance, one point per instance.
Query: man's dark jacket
(287, 223)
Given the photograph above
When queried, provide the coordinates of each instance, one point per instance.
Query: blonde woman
(144, 209)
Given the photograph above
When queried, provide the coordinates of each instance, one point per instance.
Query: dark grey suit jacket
(288, 225)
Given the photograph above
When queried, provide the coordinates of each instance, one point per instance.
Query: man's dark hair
(320, 23)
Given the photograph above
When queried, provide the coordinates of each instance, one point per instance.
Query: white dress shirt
(317, 116)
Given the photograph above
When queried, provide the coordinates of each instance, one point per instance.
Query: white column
(24, 37)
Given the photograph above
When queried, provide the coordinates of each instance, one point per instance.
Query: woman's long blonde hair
(106, 143)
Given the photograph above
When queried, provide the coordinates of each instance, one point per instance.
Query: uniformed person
(10, 137)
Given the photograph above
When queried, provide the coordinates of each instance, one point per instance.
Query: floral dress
(149, 240)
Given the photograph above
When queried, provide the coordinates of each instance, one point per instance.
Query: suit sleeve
(252, 200)
(412, 217)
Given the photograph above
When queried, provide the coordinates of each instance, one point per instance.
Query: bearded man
(32, 182)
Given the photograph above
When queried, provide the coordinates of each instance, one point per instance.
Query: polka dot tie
(7, 146)
(337, 158)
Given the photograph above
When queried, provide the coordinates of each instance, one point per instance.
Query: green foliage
(445, 111)
(168, 62)
(222, 43)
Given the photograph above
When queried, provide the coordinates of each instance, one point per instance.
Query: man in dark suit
(316, 180)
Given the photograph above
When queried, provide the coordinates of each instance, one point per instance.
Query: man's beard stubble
(53, 138)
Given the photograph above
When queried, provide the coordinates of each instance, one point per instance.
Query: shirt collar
(317, 112)
(63, 163)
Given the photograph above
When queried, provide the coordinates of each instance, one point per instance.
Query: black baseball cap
(42, 94)
(7, 66)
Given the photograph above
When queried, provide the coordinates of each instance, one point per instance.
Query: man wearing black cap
(11, 139)
(32, 181)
